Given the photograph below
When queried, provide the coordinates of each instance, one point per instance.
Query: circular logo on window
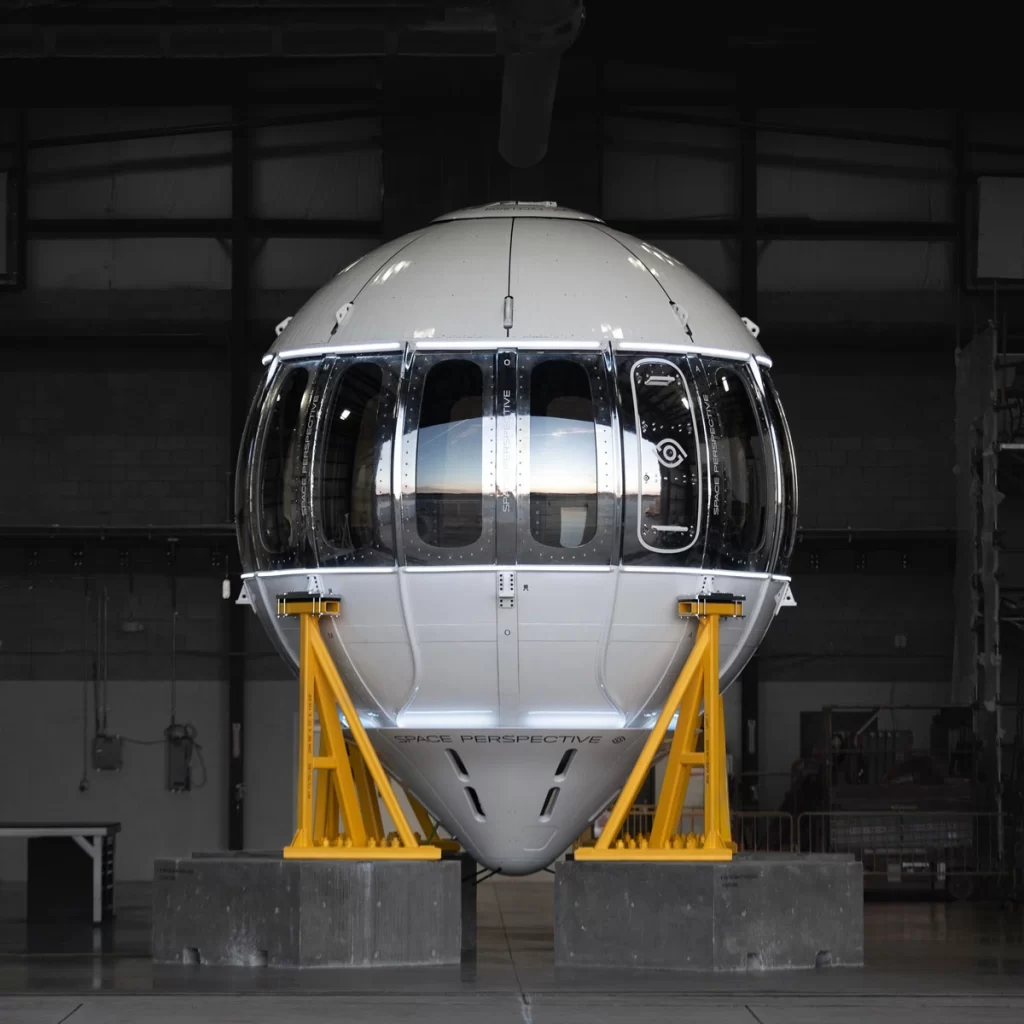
(670, 453)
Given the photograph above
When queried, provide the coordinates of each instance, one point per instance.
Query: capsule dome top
(517, 208)
(515, 272)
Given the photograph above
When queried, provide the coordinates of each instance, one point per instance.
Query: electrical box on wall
(107, 753)
(179, 758)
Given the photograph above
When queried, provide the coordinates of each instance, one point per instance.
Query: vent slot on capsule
(460, 768)
(549, 803)
(563, 765)
(474, 802)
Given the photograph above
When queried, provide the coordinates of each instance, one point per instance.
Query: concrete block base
(757, 912)
(256, 910)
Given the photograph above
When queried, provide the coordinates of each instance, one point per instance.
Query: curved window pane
(449, 456)
(790, 491)
(738, 504)
(353, 483)
(281, 473)
(563, 456)
(669, 485)
(245, 470)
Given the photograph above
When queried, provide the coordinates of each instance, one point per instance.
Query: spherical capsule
(510, 443)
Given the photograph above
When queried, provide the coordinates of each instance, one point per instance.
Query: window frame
(382, 549)
(602, 548)
(789, 523)
(267, 558)
(698, 535)
(762, 558)
(415, 551)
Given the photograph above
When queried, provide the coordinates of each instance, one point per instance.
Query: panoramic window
(563, 456)
(669, 488)
(739, 491)
(789, 480)
(348, 482)
(449, 456)
(281, 472)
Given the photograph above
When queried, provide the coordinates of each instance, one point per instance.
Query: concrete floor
(925, 962)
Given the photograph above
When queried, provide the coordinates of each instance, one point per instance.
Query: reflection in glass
(349, 462)
(670, 482)
(449, 456)
(281, 472)
(739, 491)
(563, 455)
(790, 493)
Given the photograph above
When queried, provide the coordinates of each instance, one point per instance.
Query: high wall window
(449, 456)
(563, 456)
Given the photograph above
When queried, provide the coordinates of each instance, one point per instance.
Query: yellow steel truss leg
(429, 826)
(367, 793)
(339, 783)
(696, 685)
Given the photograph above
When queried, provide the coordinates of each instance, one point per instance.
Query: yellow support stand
(696, 684)
(338, 810)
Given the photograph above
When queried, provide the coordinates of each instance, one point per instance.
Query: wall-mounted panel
(128, 263)
(305, 263)
(660, 169)
(173, 175)
(848, 266)
(827, 177)
(326, 169)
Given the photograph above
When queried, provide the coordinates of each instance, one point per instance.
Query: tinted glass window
(789, 481)
(563, 456)
(353, 486)
(245, 470)
(668, 464)
(281, 470)
(738, 464)
(449, 456)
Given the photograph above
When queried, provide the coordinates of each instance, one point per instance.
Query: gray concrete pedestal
(756, 912)
(252, 910)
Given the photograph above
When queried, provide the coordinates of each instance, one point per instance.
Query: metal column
(241, 172)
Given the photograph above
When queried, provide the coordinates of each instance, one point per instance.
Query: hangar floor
(926, 961)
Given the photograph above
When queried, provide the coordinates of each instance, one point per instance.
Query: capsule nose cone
(514, 800)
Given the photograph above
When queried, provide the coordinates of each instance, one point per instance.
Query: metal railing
(764, 831)
(899, 843)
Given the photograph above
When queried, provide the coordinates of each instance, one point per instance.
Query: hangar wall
(118, 406)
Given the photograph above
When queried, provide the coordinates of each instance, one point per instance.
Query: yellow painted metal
(429, 826)
(696, 686)
(338, 809)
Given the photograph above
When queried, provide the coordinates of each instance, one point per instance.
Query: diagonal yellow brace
(646, 758)
(682, 758)
(347, 776)
(342, 776)
(697, 685)
(348, 709)
(367, 794)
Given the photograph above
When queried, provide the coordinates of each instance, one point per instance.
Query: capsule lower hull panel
(514, 799)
